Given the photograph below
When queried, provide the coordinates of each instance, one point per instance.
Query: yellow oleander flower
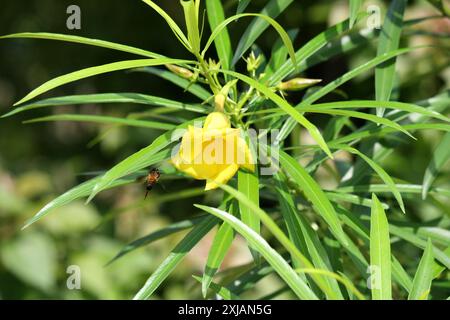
(213, 153)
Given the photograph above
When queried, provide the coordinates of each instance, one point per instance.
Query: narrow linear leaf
(105, 120)
(381, 173)
(242, 5)
(221, 291)
(120, 97)
(216, 16)
(156, 235)
(280, 102)
(83, 40)
(273, 258)
(172, 24)
(80, 191)
(188, 86)
(248, 184)
(92, 71)
(257, 26)
(389, 41)
(313, 193)
(380, 253)
(219, 248)
(440, 157)
(289, 125)
(355, 5)
(424, 275)
(175, 257)
(283, 35)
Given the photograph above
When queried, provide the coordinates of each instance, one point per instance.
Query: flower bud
(253, 62)
(221, 97)
(297, 84)
(182, 72)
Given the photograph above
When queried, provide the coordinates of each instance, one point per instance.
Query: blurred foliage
(40, 161)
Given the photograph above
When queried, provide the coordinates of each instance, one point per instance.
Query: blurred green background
(40, 161)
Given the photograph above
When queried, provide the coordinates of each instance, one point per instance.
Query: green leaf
(440, 156)
(83, 40)
(304, 237)
(105, 120)
(172, 24)
(424, 275)
(120, 97)
(273, 258)
(80, 191)
(242, 5)
(248, 184)
(289, 125)
(286, 107)
(219, 248)
(284, 36)
(156, 235)
(223, 292)
(216, 16)
(257, 26)
(381, 173)
(92, 71)
(355, 5)
(357, 104)
(380, 252)
(408, 235)
(313, 193)
(277, 232)
(278, 55)
(175, 257)
(188, 86)
(389, 41)
(191, 10)
(310, 48)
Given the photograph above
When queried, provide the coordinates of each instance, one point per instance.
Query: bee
(152, 179)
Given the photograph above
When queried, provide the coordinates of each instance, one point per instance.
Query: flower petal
(223, 176)
(216, 120)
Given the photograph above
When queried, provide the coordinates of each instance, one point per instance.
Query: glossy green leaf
(424, 275)
(157, 235)
(286, 107)
(248, 184)
(242, 5)
(105, 120)
(101, 98)
(80, 191)
(355, 5)
(381, 173)
(83, 40)
(257, 26)
(219, 248)
(216, 16)
(172, 24)
(440, 157)
(380, 253)
(313, 193)
(283, 35)
(275, 260)
(175, 257)
(388, 42)
(196, 89)
(92, 71)
(289, 125)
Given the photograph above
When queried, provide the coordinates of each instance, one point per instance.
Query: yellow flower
(213, 153)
